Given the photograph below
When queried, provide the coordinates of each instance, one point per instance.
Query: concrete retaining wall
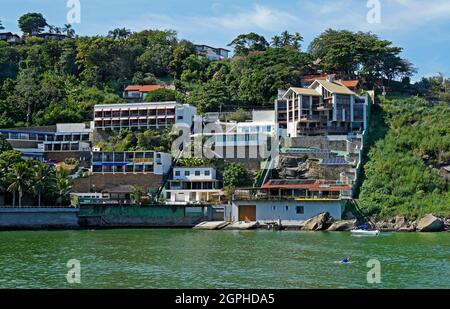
(38, 218)
(141, 216)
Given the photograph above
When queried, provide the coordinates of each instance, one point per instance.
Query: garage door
(247, 213)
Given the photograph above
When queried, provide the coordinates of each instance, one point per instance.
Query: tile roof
(143, 88)
(350, 83)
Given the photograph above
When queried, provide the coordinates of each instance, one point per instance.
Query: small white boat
(365, 232)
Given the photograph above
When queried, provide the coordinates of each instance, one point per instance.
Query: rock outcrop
(430, 223)
(317, 223)
(345, 225)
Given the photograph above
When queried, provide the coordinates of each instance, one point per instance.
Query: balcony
(323, 130)
(324, 107)
(309, 118)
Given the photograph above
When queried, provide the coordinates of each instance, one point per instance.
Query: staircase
(265, 173)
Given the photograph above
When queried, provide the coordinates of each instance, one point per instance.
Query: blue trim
(27, 132)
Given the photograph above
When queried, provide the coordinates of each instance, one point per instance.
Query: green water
(184, 258)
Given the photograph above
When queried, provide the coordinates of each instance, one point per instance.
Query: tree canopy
(32, 23)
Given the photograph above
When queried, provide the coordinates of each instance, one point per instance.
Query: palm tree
(297, 39)
(43, 176)
(119, 33)
(68, 30)
(1, 26)
(51, 29)
(63, 186)
(19, 177)
(276, 41)
(286, 38)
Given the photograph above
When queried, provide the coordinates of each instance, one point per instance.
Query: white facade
(155, 115)
(212, 53)
(194, 173)
(193, 185)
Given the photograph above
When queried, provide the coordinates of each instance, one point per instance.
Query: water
(184, 258)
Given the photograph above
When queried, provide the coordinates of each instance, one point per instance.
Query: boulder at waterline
(345, 225)
(317, 223)
(430, 223)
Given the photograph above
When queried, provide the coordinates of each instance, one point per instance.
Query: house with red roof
(290, 200)
(136, 93)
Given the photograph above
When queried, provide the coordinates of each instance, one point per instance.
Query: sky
(421, 27)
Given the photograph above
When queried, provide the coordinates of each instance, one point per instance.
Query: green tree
(19, 180)
(211, 96)
(137, 194)
(119, 33)
(63, 187)
(235, 175)
(245, 43)
(4, 145)
(43, 177)
(161, 95)
(239, 115)
(32, 23)
(68, 30)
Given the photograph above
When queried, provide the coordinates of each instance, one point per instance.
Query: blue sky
(421, 27)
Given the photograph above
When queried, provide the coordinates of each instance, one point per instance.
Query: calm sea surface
(184, 258)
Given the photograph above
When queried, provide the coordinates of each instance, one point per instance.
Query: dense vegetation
(40, 183)
(402, 172)
(46, 81)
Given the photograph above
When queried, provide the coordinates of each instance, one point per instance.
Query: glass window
(274, 208)
(177, 173)
(197, 173)
(287, 208)
(300, 210)
(187, 173)
(207, 173)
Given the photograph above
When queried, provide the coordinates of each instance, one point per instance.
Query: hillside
(402, 173)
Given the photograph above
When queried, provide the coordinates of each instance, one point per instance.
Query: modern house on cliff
(325, 107)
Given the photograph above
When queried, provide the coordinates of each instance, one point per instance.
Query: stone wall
(102, 181)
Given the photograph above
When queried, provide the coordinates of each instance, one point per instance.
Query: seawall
(95, 216)
(38, 218)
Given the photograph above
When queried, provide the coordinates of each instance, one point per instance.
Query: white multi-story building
(193, 185)
(325, 107)
(212, 53)
(157, 115)
(133, 162)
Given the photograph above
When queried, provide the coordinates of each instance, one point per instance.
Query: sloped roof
(350, 83)
(334, 87)
(143, 88)
(303, 91)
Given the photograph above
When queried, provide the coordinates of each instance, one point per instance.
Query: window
(300, 209)
(197, 173)
(287, 208)
(187, 173)
(274, 208)
(180, 117)
(177, 173)
(207, 173)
